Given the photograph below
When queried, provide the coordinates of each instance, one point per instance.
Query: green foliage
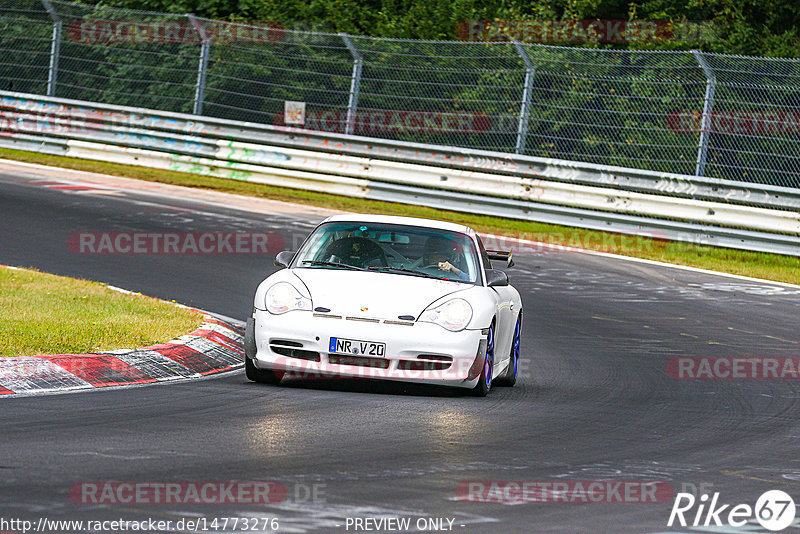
(749, 27)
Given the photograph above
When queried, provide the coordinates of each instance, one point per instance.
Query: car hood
(374, 295)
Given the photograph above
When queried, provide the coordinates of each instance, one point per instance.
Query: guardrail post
(55, 48)
(708, 109)
(527, 92)
(355, 83)
(200, 85)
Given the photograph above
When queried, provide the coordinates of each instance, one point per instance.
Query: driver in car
(442, 252)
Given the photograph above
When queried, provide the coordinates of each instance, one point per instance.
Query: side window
(487, 264)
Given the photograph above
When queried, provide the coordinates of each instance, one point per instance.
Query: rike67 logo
(774, 510)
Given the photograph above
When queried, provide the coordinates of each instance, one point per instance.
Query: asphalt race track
(594, 403)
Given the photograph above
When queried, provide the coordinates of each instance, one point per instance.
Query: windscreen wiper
(332, 264)
(402, 270)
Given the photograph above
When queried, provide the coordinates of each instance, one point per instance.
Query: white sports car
(384, 297)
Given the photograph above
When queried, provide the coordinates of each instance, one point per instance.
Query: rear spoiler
(502, 255)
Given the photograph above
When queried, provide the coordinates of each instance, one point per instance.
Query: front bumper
(297, 342)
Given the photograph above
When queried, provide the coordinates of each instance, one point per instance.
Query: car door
(505, 311)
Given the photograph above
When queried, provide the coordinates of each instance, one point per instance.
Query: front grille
(359, 361)
(420, 365)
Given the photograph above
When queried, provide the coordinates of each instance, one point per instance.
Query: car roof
(396, 219)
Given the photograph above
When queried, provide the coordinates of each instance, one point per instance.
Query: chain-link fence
(684, 112)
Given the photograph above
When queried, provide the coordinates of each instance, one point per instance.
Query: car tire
(509, 377)
(262, 376)
(484, 384)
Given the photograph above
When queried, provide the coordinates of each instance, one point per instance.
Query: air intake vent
(309, 355)
(285, 343)
(363, 319)
(327, 316)
(435, 357)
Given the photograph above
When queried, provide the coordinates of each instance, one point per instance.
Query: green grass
(47, 314)
(755, 264)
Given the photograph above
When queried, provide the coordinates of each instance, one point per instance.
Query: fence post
(708, 109)
(527, 92)
(355, 83)
(200, 85)
(55, 48)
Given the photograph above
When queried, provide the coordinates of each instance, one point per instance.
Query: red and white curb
(215, 346)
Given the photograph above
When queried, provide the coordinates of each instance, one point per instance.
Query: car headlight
(453, 315)
(283, 297)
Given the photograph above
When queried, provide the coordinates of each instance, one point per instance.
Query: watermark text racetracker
(733, 368)
(153, 493)
(173, 31)
(574, 241)
(399, 122)
(581, 31)
(758, 122)
(564, 491)
(175, 243)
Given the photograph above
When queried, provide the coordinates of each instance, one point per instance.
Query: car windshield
(391, 248)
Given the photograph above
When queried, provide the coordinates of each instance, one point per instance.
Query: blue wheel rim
(515, 346)
(488, 362)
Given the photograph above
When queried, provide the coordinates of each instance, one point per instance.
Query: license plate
(355, 347)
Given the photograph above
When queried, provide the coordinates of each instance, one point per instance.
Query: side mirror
(283, 259)
(495, 278)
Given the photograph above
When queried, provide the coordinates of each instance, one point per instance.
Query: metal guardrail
(142, 127)
(702, 210)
